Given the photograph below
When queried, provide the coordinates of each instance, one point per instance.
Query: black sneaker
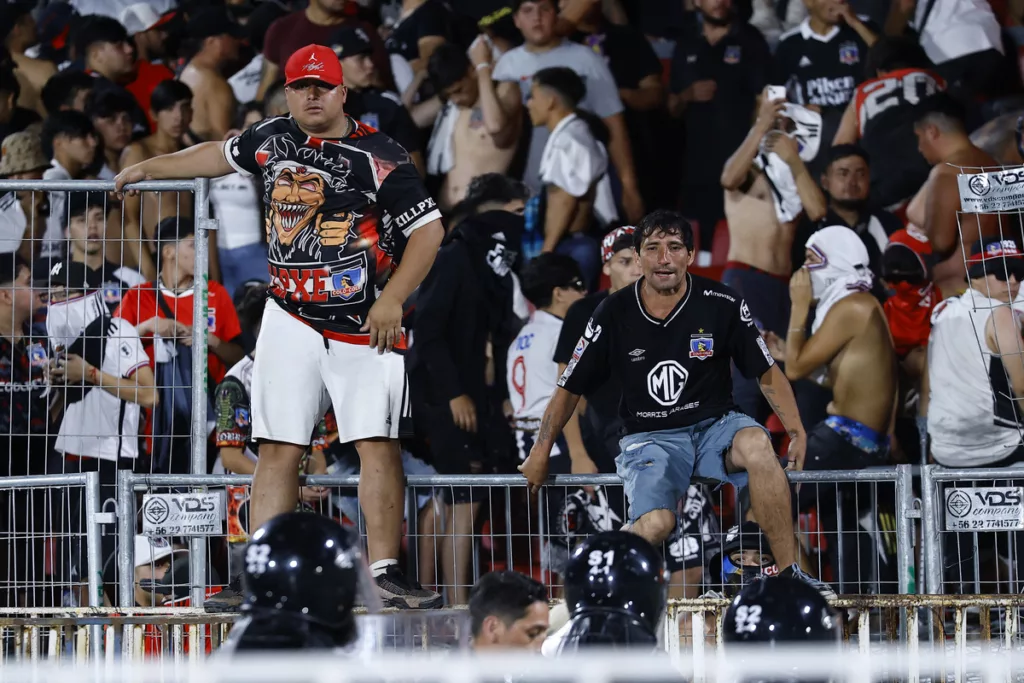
(397, 591)
(228, 600)
(794, 572)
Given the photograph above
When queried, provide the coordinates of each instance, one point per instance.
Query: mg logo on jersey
(665, 382)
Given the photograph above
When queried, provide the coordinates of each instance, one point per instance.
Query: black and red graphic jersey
(338, 215)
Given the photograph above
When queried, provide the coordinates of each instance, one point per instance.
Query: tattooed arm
(779, 393)
(559, 410)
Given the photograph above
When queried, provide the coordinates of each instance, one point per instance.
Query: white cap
(139, 17)
(151, 550)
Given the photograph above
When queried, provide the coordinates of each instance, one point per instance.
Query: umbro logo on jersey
(804, 61)
(636, 352)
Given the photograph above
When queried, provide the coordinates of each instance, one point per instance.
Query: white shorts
(296, 378)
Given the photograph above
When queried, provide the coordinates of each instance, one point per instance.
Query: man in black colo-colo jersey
(669, 341)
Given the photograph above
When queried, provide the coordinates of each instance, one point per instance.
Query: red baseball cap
(314, 62)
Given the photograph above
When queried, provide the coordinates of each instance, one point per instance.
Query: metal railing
(507, 487)
(88, 534)
(114, 240)
(966, 624)
(964, 510)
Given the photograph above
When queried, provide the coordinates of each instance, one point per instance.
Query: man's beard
(850, 204)
(720, 22)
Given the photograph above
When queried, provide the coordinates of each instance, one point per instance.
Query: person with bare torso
(849, 349)
(472, 136)
(216, 39)
(943, 141)
(758, 264)
(171, 105)
(16, 19)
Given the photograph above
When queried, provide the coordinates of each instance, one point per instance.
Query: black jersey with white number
(886, 110)
(673, 372)
(338, 214)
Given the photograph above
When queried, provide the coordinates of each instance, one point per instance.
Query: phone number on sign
(186, 530)
(985, 524)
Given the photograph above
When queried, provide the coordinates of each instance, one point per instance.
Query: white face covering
(67, 320)
(843, 269)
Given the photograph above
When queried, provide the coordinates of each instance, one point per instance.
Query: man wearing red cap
(343, 204)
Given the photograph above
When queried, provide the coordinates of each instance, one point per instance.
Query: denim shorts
(656, 468)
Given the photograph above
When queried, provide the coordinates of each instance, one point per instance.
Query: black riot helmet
(616, 588)
(307, 567)
(780, 610)
(745, 557)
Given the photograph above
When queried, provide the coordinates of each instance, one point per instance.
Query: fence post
(125, 539)
(200, 374)
(93, 560)
(904, 529)
(931, 539)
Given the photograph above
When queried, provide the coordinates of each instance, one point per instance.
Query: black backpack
(172, 417)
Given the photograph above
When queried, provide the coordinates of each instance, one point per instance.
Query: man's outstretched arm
(558, 412)
(205, 160)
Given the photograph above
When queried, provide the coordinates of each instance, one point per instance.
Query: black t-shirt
(340, 213)
(625, 50)
(385, 112)
(21, 119)
(23, 388)
(117, 280)
(886, 111)
(739, 64)
(604, 399)
(674, 372)
(601, 418)
(821, 70)
(429, 19)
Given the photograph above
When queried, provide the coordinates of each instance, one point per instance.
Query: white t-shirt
(55, 223)
(530, 371)
(574, 161)
(14, 226)
(246, 81)
(519, 65)
(236, 205)
(955, 28)
(95, 426)
(970, 415)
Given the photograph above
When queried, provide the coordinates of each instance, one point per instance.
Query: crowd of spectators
(541, 127)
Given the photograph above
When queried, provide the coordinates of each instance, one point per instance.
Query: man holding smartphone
(762, 209)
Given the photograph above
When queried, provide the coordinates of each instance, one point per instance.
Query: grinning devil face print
(296, 197)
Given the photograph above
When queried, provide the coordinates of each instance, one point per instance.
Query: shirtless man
(479, 141)
(217, 40)
(758, 264)
(849, 349)
(171, 107)
(943, 141)
(32, 73)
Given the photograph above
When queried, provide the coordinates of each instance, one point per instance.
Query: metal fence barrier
(515, 531)
(47, 539)
(122, 233)
(971, 529)
(966, 625)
